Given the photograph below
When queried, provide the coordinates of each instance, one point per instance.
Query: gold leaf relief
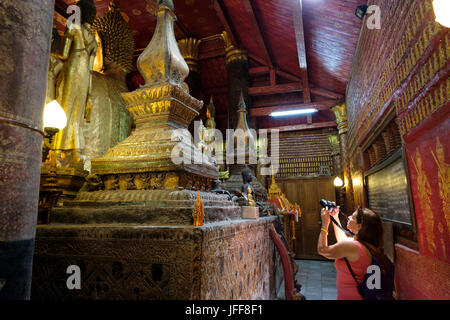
(424, 194)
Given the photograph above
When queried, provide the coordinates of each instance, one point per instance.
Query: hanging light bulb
(54, 116)
(338, 182)
(442, 12)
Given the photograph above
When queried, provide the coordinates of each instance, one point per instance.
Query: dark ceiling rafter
(326, 93)
(301, 47)
(263, 70)
(222, 15)
(256, 31)
(257, 59)
(61, 8)
(275, 89)
(182, 28)
(299, 127)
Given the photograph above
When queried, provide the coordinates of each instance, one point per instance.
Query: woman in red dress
(366, 226)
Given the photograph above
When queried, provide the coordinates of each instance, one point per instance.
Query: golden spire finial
(210, 109)
(168, 3)
(198, 213)
(210, 113)
(250, 138)
(162, 62)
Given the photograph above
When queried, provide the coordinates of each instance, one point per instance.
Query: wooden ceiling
(300, 51)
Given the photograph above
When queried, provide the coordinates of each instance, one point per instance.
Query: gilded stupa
(244, 153)
(156, 167)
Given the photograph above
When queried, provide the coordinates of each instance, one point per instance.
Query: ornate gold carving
(171, 181)
(424, 194)
(231, 52)
(444, 179)
(341, 117)
(189, 50)
(334, 143)
(111, 182)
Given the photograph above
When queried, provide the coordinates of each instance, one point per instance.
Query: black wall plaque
(387, 191)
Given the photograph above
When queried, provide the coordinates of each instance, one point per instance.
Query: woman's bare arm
(340, 235)
(342, 249)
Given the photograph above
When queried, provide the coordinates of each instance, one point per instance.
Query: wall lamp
(338, 182)
(442, 12)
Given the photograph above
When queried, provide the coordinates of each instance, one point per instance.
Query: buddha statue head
(88, 11)
(115, 39)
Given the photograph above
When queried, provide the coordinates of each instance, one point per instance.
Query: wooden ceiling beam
(61, 8)
(299, 127)
(256, 31)
(301, 47)
(257, 59)
(275, 89)
(221, 14)
(260, 112)
(288, 75)
(182, 28)
(326, 93)
(258, 71)
(213, 54)
(276, 100)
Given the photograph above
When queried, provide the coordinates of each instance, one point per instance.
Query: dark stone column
(189, 49)
(238, 81)
(341, 119)
(25, 32)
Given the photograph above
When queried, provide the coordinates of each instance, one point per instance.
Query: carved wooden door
(307, 192)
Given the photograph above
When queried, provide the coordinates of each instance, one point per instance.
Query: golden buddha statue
(74, 83)
(201, 136)
(109, 121)
(210, 113)
(251, 202)
(198, 213)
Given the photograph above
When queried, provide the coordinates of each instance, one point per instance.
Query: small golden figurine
(251, 202)
(198, 213)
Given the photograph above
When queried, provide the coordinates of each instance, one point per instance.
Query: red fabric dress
(346, 285)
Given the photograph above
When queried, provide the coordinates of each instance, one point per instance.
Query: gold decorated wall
(398, 97)
(304, 154)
